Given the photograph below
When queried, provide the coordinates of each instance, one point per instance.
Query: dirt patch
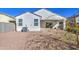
(48, 39)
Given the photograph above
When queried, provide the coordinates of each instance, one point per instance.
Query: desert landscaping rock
(48, 39)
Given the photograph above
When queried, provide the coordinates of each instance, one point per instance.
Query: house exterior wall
(77, 19)
(28, 20)
(6, 27)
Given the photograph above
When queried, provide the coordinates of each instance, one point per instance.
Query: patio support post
(64, 25)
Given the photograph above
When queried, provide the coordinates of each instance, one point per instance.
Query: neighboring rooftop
(6, 18)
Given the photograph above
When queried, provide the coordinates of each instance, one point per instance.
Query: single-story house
(7, 23)
(40, 19)
(75, 17)
(74, 20)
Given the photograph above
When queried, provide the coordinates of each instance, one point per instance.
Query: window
(77, 20)
(35, 22)
(60, 22)
(20, 22)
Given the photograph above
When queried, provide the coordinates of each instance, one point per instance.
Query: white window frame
(20, 22)
(35, 22)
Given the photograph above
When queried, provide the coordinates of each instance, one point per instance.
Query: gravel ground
(43, 40)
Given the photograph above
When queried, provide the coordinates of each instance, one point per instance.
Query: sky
(65, 12)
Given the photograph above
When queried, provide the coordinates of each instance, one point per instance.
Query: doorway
(49, 25)
(61, 25)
